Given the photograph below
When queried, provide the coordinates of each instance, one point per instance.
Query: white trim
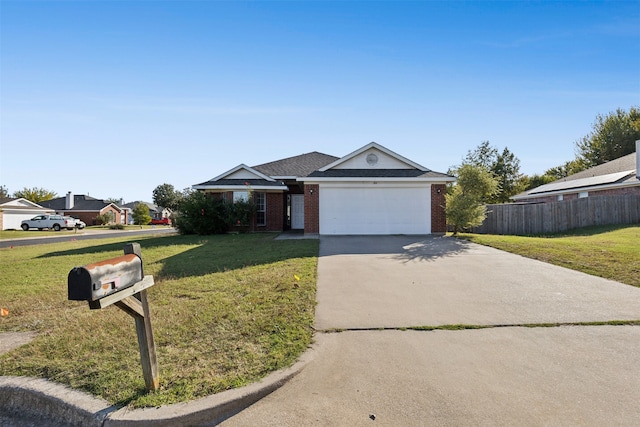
(318, 180)
(245, 167)
(378, 147)
(236, 187)
(21, 200)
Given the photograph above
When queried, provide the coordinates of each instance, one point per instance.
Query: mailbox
(97, 280)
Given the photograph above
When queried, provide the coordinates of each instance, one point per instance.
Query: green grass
(612, 252)
(225, 310)
(19, 234)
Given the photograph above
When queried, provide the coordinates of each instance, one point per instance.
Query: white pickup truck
(56, 222)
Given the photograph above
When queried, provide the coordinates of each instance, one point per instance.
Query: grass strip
(612, 252)
(461, 327)
(226, 311)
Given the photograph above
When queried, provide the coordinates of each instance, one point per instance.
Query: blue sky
(115, 98)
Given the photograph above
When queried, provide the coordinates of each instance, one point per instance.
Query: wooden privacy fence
(544, 218)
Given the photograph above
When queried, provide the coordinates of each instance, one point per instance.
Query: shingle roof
(297, 166)
(81, 202)
(612, 172)
(377, 173)
(622, 164)
(243, 183)
(4, 200)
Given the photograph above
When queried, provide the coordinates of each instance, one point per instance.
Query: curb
(40, 399)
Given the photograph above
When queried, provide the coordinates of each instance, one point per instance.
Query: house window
(260, 200)
(240, 196)
(560, 197)
(583, 194)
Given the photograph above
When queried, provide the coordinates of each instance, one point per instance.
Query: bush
(199, 214)
(116, 227)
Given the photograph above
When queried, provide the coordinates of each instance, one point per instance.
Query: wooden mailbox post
(121, 281)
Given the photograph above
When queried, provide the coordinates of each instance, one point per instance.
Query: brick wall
(438, 215)
(275, 213)
(311, 208)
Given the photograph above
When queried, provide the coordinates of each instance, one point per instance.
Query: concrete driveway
(374, 372)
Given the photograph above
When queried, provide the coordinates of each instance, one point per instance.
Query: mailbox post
(121, 282)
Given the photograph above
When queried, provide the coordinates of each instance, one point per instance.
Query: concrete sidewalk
(568, 375)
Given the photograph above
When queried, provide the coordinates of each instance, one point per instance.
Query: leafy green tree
(166, 196)
(115, 201)
(4, 191)
(567, 168)
(35, 194)
(105, 218)
(612, 136)
(504, 166)
(141, 215)
(465, 206)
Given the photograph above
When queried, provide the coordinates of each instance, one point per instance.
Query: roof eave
(377, 179)
(240, 187)
(577, 190)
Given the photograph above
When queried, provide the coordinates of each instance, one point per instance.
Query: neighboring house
(14, 210)
(155, 211)
(369, 191)
(617, 177)
(85, 208)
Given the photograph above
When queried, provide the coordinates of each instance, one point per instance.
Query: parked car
(56, 222)
(160, 221)
(75, 223)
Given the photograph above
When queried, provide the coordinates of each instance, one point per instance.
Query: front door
(297, 211)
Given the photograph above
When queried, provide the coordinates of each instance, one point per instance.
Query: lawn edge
(54, 402)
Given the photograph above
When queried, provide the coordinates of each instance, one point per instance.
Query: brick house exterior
(370, 191)
(86, 208)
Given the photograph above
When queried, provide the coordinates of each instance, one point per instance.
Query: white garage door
(12, 220)
(375, 209)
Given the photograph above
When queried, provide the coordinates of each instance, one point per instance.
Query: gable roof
(615, 173)
(19, 203)
(378, 147)
(241, 177)
(296, 166)
(81, 202)
(375, 161)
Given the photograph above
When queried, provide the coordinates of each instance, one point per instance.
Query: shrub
(199, 214)
(116, 227)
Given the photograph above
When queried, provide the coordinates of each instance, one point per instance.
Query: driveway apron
(369, 370)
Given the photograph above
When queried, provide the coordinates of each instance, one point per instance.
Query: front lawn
(612, 252)
(226, 311)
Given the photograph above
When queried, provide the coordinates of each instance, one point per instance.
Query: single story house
(85, 208)
(372, 190)
(155, 211)
(15, 210)
(617, 177)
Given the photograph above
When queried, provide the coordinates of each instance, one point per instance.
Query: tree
(35, 194)
(611, 137)
(4, 191)
(165, 195)
(115, 201)
(504, 166)
(141, 214)
(465, 206)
